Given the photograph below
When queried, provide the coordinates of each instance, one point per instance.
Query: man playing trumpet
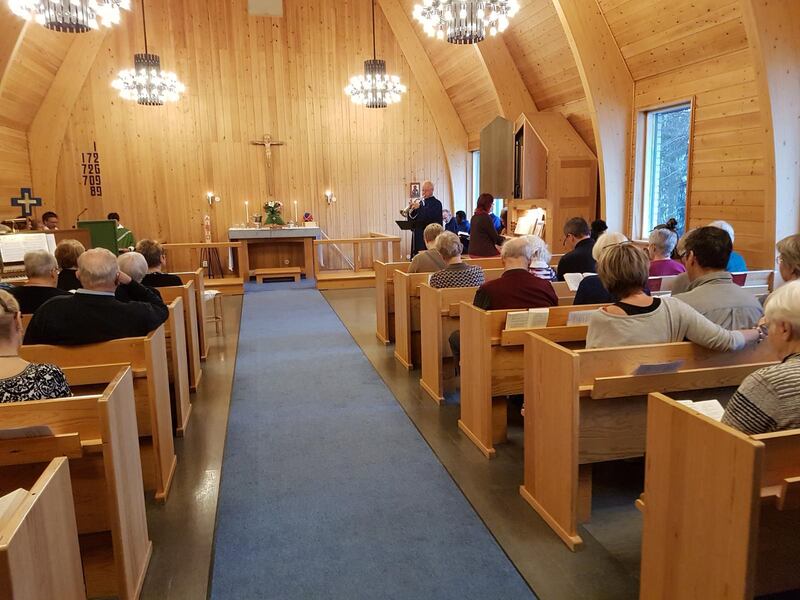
(423, 212)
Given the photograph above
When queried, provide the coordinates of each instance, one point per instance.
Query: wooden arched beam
(513, 96)
(13, 31)
(773, 32)
(608, 85)
(451, 130)
(49, 126)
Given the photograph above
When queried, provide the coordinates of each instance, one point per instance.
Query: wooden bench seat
(40, 523)
(262, 275)
(147, 357)
(492, 366)
(726, 503)
(98, 434)
(588, 406)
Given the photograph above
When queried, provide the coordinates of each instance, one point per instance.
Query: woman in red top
(483, 237)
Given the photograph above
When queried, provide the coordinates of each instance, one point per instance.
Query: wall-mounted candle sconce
(212, 198)
(330, 197)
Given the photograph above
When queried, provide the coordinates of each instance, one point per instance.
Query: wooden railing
(359, 263)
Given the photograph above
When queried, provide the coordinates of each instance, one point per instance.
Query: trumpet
(413, 204)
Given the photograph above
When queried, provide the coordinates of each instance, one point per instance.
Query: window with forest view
(666, 167)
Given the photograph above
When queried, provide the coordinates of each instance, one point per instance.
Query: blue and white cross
(26, 201)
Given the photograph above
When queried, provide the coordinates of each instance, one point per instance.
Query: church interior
(400, 299)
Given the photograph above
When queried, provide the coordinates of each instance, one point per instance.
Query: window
(476, 176)
(666, 167)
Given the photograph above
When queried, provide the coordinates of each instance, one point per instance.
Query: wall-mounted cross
(268, 143)
(26, 202)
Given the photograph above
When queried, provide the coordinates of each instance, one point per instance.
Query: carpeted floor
(328, 490)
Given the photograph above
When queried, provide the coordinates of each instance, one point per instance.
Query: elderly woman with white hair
(516, 287)
(736, 263)
(134, 265)
(457, 273)
(591, 289)
(769, 399)
(540, 259)
(661, 244)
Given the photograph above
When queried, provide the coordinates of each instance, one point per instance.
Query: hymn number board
(90, 171)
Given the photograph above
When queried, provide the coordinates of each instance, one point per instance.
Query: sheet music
(710, 408)
(517, 320)
(579, 317)
(528, 319)
(14, 246)
(537, 317)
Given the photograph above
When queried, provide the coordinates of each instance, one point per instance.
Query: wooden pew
(41, 523)
(587, 406)
(727, 504)
(98, 434)
(492, 367)
(198, 279)
(384, 298)
(384, 292)
(191, 327)
(407, 316)
(148, 359)
(566, 296)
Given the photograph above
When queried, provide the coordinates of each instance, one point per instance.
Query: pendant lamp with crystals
(70, 16)
(146, 83)
(465, 21)
(375, 89)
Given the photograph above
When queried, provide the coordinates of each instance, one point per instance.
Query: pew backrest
(40, 524)
(191, 327)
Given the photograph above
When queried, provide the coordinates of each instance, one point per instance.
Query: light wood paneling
(249, 76)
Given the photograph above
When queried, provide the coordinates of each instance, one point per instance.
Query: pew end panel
(41, 523)
(551, 472)
(178, 372)
(190, 314)
(402, 319)
(692, 495)
(197, 278)
(384, 298)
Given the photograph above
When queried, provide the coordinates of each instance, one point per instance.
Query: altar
(272, 248)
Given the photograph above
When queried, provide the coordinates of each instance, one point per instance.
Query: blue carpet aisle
(328, 490)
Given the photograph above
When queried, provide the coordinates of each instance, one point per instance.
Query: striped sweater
(768, 400)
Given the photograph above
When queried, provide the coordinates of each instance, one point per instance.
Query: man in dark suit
(579, 259)
(41, 269)
(423, 213)
(93, 314)
(156, 258)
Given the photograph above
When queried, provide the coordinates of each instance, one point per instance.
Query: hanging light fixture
(146, 82)
(70, 16)
(375, 89)
(465, 21)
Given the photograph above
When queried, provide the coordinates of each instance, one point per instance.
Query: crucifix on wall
(268, 143)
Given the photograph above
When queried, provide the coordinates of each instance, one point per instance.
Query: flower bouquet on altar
(272, 213)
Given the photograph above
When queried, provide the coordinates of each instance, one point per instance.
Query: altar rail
(347, 262)
(223, 263)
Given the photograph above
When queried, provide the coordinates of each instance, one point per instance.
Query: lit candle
(295, 212)
(246, 212)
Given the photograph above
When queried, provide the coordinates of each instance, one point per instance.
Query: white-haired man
(93, 314)
(424, 212)
(769, 399)
(42, 272)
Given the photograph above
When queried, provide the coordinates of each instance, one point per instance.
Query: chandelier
(465, 21)
(146, 82)
(375, 89)
(70, 16)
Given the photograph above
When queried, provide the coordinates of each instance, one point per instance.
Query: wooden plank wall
(249, 76)
(26, 73)
(678, 49)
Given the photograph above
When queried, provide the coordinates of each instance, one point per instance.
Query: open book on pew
(528, 319)
(573, 280)
(710, 408)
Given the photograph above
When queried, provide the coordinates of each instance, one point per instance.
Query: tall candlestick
(295, 212)
(246, 212)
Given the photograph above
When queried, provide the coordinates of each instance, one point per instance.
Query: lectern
(411, 226)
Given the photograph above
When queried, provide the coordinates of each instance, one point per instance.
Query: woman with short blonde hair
(591, 290)
(67, 253)
(428, 261)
